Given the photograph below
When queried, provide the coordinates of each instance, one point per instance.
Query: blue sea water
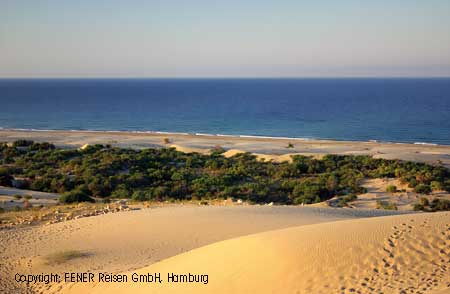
(398, 110)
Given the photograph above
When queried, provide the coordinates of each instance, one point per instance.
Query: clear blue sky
(234, 38)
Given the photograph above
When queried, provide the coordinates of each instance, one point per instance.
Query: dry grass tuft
(64, 256)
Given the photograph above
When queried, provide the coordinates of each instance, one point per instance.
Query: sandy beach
(267, 148)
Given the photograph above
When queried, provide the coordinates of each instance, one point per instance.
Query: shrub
(436, 186)
(166, 141)
(418, 207)
(290, 145)
(217, 150)
(6, 180)
(28, 197)
(344, 200)
(121, 192)
(435, 205)
(17, 197)
(424, 201)
(22, 143)
(391, 189)
(140, 196)
(422, 189)
(75, 196)
(440, 204)
(386, 205)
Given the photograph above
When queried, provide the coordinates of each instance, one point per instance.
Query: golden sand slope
(392, 254)
(125, 241)
(271, 157)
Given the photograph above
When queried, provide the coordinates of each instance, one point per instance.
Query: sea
(411, 110)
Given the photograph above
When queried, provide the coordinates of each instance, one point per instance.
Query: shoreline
(218, 135)
(245, 136)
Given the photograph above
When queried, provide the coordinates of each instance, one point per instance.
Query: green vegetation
(344, 200)
(422, 188)
(436, 186)
(102, 171)
(75, 196)
(391, 189)
(435, 205)
(386, 205)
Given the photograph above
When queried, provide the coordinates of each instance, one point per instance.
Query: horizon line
(219, 77)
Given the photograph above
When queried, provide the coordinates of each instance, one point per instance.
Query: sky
(234, 38)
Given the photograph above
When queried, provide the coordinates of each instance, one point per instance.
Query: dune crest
(392, 254)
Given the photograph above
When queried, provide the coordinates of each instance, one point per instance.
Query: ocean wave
(425, 143)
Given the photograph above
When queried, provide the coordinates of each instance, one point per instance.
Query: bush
(121, 192)
(391, 189)
(435, 205)
(386, 205)
(436, 186)
(424, 201)
(6, 180)
(344, 200)
(440, 204)
(75, 196)
(418, 207)
(17, 197)
(140, 196)
(422, 189)
(22, 143)
(217, 150)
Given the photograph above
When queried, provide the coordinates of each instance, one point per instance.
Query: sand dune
(129, 240)
(392, 254)
(272, 157)
(185, 149)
